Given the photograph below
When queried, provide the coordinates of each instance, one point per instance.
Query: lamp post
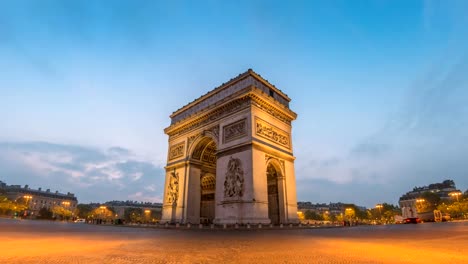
(349, 212)
(419, 200)
(27, 198)
(379, 206)
(456, 194)
(66, 204)
(103, 208)
(147, 215)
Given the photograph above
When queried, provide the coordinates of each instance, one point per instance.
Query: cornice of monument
(179, 114)
(243, 99)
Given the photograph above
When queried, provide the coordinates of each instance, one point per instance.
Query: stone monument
(230, 157)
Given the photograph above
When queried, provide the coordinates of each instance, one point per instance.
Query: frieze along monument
(230, 157)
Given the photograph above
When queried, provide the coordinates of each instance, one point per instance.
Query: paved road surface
(23, 241)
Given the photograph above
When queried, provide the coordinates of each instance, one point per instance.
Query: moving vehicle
(412, 220)
(80, 220)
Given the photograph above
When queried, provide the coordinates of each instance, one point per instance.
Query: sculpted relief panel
(176, 151)
(234, 182)
(272, 133)
(235, 130)
(173, 188)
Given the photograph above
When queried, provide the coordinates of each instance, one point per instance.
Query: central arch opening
(273, 199)
(207, 201)
(204, 154)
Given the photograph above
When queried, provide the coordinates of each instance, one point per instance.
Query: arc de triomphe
(230, 157)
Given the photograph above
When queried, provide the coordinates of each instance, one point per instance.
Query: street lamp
(103, 208)
(456, 194)
(379, 206)
(419, 200)
(147, 215)
(66, 204)
(27, 198)
(349, 214)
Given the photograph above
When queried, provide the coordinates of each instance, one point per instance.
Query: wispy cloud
(83, 170)
(425, 141)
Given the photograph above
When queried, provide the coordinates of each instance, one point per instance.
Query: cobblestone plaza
(24, 241)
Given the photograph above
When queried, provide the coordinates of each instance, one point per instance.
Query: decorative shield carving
(173, 188)
(234, 182)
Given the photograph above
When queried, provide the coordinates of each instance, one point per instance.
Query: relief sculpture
(234, 131)
(234, 182)
(176, 151)
(270, 132)
(173, 188)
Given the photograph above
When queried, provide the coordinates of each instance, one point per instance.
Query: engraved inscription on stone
(270, 132)
(234, 182)
(234, 131)
(176, 151)
(173, 188)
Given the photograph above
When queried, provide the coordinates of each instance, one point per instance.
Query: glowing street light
(456, 194)
(349, 211)
(379, 206)
(28, 198)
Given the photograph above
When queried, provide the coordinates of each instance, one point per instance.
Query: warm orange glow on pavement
(101, 244)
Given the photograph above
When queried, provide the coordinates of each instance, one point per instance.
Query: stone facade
(230, 157)
(37, 199)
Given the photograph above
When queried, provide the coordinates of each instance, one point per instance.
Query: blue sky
(380, 88)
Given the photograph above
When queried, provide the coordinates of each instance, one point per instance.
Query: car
(412, 220)
(80, 220)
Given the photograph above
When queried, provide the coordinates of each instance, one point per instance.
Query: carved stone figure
(173, 188)
(234, 182)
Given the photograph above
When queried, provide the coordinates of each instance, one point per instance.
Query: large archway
(204, 155)
(219, 148)
(273, 194)
(207, 201)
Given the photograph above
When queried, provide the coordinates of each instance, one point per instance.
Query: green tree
(431, 201)
(326, 216)
(61, 212)
(133, 215)
(455, 209)
(45, 213)
(103, 212)
(8, 207)
(83, 210)
(311, 215)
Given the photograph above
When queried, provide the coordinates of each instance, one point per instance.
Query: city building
(119, 207)
(37, 199)
(320, 208)
(408, 201)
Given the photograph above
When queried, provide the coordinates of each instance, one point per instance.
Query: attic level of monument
(233, 86)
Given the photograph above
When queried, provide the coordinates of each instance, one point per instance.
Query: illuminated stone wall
(232, 132)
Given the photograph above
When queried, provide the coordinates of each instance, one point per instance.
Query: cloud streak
(93, 174)
(425, 142)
